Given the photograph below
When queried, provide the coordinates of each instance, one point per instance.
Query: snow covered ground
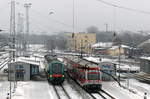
(4, 89)
(42, 90)
(139, 87)
(119, 92)
(33, 90)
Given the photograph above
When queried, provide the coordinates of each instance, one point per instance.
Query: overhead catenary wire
(125, 8)
(41, 24)
(73, 15)
(54, 20)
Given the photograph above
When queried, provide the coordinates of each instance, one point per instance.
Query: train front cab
(93, 83)
(56, 73)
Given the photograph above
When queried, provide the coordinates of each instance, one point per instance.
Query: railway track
(144, 77)
(102, 94)
(92, 96)
(107, 94)
(55, 89)
(61, 91)
(2, 65)
(98, 95)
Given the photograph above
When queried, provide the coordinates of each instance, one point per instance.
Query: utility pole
(73, 22)
(119, 60)
(12, 39)
(81, 48)
(13, 27)
(27, 6)
(20, 35)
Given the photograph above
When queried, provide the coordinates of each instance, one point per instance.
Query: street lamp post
(119, 59)
(9, 75)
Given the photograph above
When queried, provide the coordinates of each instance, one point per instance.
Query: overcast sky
(87, 13)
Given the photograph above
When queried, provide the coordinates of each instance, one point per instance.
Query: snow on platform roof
(102, 44)
(27, 62)
(146, 58)
(122, 46)
(98, 60)
(94, 59)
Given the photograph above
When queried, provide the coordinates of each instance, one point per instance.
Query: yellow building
(114, 50)
(82, 42)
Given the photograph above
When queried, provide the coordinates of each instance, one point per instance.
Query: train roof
(50, 58)
(87, 63)
(83, 62)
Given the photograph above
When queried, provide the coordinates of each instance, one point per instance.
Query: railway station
(22, 70)
(75, 49)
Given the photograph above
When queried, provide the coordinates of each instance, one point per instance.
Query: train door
(34, 70)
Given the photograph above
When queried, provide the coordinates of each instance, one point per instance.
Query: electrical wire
(73, 14)
(42, 24)
(125, 8)
(54, 20)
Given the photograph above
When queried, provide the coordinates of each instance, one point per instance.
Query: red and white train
(86, 73)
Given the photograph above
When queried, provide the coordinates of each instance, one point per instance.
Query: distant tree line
(59, 40)
(56, 42)
(127, 37)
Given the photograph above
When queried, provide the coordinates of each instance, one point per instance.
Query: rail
(58, 96)
(112, 97)
(2, 65)
(57, 89)
(65, 92)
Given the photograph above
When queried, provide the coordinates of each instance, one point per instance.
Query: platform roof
(146, 58)
(26, 62)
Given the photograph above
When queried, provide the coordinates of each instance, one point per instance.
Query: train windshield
(94, 76)
(57, 68)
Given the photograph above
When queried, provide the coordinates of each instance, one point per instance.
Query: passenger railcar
(108, 69)
(54, 69)
(86, 73)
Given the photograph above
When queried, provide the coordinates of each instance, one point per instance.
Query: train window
(93, 76)
(82, 75)
(57, 68)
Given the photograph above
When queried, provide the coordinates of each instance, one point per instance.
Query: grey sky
(87, 13)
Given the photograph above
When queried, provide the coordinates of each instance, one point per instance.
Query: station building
(145, 64)
(22, 70)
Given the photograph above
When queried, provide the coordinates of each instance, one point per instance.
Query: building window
(19, 67)
(86, 36)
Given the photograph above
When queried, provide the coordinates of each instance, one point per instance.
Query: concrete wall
(145, 65)
(115, 52)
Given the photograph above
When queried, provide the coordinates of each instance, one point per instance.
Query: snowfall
(132, 88)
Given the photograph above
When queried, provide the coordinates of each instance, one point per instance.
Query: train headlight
(63, 76)
(50, 75)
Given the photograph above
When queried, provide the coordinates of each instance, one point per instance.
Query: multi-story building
(81, 42)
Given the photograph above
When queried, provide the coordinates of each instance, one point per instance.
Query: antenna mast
(27, 6)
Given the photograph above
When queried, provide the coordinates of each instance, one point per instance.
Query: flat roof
(27, 62)
(146, 58)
